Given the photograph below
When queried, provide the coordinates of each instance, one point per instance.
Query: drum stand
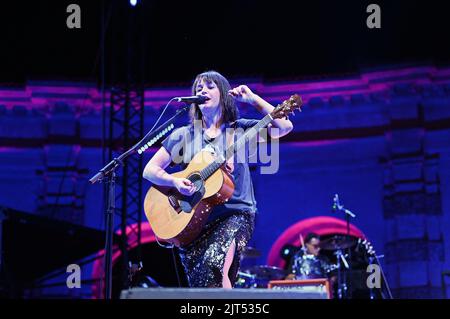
(341, 282)
(376, 260)
(338, 207)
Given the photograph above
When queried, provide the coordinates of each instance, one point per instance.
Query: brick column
(412, 205)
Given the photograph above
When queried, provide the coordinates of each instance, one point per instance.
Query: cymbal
(337, 242)
(250, 252)
(268, 272)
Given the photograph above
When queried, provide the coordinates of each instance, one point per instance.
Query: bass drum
(310, 267)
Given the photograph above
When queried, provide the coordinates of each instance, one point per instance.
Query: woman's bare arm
(244, 94)
(155, 172)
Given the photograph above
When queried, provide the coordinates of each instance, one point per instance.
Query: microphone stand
(340, 208)
(108, 175)
(383, 276)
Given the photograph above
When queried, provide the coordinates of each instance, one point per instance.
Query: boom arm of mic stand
(156, 134)
(119, 160)
(384, 278)
(349, 213)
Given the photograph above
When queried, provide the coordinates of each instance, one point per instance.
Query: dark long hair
(229, 110)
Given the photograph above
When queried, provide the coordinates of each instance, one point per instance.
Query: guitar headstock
(287, 107)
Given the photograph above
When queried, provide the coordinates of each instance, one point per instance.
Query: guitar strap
(229, 141)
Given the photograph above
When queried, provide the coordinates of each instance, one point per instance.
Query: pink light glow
(166, 94)
(65, 89)
(313, 86)
(12, 93)
(318, 143)
(147, 236)
(38, 96)
(321, 225)
(5, 149)
(386, 74)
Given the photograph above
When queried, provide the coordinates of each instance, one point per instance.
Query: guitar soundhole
(197, 180)
(187, 203)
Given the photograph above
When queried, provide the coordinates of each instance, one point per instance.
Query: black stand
(110, 209)
(337, 206)
(109, 172)
(347, 291)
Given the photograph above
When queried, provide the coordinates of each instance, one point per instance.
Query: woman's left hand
(242, 93)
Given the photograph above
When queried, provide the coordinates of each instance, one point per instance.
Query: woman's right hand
(184, 186)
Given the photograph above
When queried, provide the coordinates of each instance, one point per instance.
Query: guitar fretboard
(232, 149)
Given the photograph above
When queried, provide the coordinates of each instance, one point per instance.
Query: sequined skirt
(204, 258)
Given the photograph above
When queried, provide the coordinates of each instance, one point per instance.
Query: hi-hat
(266, 272)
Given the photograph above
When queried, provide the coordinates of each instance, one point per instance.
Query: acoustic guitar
(178, 219)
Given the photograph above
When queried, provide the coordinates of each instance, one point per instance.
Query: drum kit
(305, 266)
(351, 256)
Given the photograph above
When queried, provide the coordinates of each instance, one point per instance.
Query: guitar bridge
(173, 201)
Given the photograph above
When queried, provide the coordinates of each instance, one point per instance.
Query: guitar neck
(232, 149)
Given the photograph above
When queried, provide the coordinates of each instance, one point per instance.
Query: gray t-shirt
(181, 143)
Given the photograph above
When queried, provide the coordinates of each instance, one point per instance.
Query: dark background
(272, 39)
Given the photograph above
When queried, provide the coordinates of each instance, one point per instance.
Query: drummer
(307, 263)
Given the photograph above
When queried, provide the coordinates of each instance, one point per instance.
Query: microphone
(336, 204)
(338, 207)
(197, 99)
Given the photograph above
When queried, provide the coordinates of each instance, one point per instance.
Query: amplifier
(217, 293)
(320, 286)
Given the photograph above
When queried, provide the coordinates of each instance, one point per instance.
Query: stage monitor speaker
(218, 293)
(320, 286)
